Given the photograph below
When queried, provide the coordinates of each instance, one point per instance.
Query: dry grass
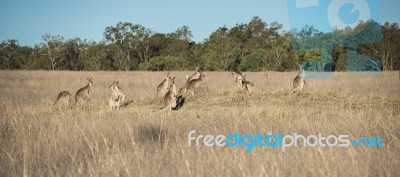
(38, 139)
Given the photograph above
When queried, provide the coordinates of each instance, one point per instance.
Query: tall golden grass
(40, 139)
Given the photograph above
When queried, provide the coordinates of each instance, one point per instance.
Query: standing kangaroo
(83, 94)
(117, 99)
(117, 96)
(170, 96)
(299, 82)
(163, 86)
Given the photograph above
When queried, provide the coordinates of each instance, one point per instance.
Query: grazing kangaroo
(299, 82)
(247, 85)
(170, 96)
(83, 94)
(163, 87)
(195, 83)
(117, 96)
(237, 78)
(195, 75)
(64, 98)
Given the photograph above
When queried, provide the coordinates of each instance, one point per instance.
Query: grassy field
(39, 139)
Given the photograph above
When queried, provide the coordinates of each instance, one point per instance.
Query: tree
(96, 57)
(279, 55)
(52, 48)
(24, 58)
(221, 51)
(142, 43)
(128, 40)
(386, 50)
(179, 43)
(7, 49)
(251, 62)
(73, 49)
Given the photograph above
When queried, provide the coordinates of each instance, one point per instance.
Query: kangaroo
(114, 102)
(247, 85)
(163, 86)
(120, 91)
(64, 97)
(117, 96)
(170, 96)
(195, 83)
(195, 75)
(83, 94)
(299, 82)
(237, 78)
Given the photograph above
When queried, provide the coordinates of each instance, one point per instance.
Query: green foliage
(340, 59)
(163, 63)
(221, 51)
(251, 62)
(252, 46)
(95, 58)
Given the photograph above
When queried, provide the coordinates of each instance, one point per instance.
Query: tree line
(252, 46)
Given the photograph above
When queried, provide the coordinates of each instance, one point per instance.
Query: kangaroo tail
(126, 103)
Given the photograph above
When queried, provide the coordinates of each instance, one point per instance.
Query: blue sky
(27, 20)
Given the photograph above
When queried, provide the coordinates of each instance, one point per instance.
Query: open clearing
(39, 139)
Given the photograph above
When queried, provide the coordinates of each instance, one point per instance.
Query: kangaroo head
(114, 85)
(166, 75)
(172, 80)
(90, 80)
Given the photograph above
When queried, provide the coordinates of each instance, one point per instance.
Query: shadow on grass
(152, 135)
